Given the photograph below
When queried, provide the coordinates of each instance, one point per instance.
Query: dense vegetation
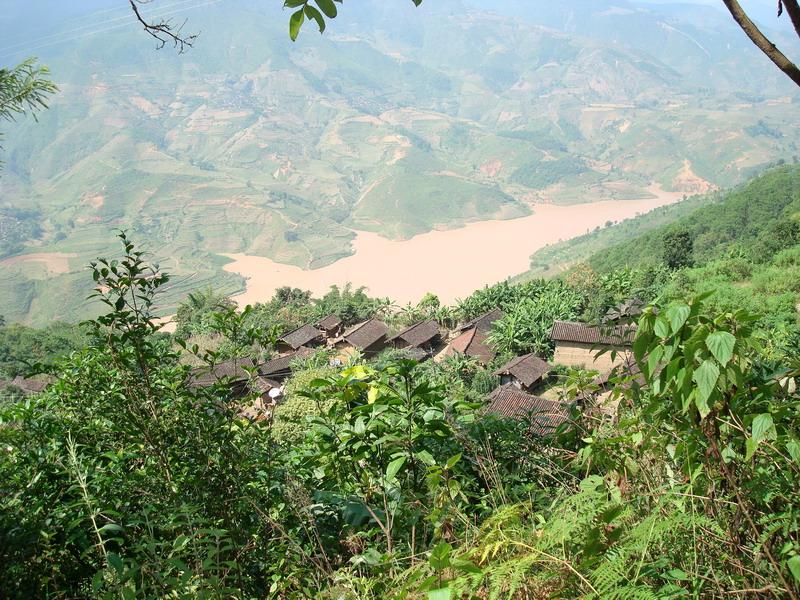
(384, 478)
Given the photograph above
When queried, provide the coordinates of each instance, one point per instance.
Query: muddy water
(449, 263)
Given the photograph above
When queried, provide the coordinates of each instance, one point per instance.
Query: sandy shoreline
(450, 263)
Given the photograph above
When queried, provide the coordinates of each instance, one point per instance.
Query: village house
(280, 368)
(238, 373)
(601, 400)
(473, 342)
(524, 372)
(369, 338)
(586, 346)
(484, 322)
(330, 326)
(544, 416)
(425, 337)
(242, 377)
(306, 335)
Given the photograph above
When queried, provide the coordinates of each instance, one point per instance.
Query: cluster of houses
(576, 345)
(605, 349)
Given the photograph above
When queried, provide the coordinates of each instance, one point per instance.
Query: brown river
(450, 263)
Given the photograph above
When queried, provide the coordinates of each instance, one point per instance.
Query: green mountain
(397, 121)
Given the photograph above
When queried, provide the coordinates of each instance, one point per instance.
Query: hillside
(220, 461)
(720, 223)
(283, 151)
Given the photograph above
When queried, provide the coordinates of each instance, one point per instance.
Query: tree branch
(793, 10)
(164, 31)
(761, 41)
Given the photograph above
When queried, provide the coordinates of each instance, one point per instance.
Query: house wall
(506, 379)
(574, 354)
(376, 347)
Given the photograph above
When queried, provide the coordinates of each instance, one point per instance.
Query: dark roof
(419, 333)
(483, 322)
(569, 331)
(528, 369)
(233, 369)
(329, 322)
(366, 334)
(282, 364)
(301, 336)
(545, 415)
(472, 343)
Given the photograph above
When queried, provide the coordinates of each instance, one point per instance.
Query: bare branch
(761, 41)
(164, 31)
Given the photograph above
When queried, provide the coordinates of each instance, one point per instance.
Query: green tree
(195, 315)
(678, 248)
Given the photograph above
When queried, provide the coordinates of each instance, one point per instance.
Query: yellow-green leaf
(295, 23)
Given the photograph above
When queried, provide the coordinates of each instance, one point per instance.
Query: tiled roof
(282, 365)
(527, 369)
(301, 336)
(483, 322)
(328, 323)
(569, 331)
(366, 334)
(419, 333)
(545, 415)
(234, 369)
(472, 343)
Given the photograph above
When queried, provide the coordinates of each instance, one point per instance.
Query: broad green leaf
(452, 461)
(426, 457)
(395, 466)
(295, 23)
(110, 527)
(328, 7)
(793, 448)
(720, 344)
(677, 316)
(441, 593)
(294, 3)
(313, 13)
(750, 446)
(706, 379)
(440, 556)
(115, 561)
(794, 567)
(640, 346)
(763, 428)
(654, 360)
(661, 327)
(677, 574)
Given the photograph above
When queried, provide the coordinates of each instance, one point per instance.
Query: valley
(452, 263)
